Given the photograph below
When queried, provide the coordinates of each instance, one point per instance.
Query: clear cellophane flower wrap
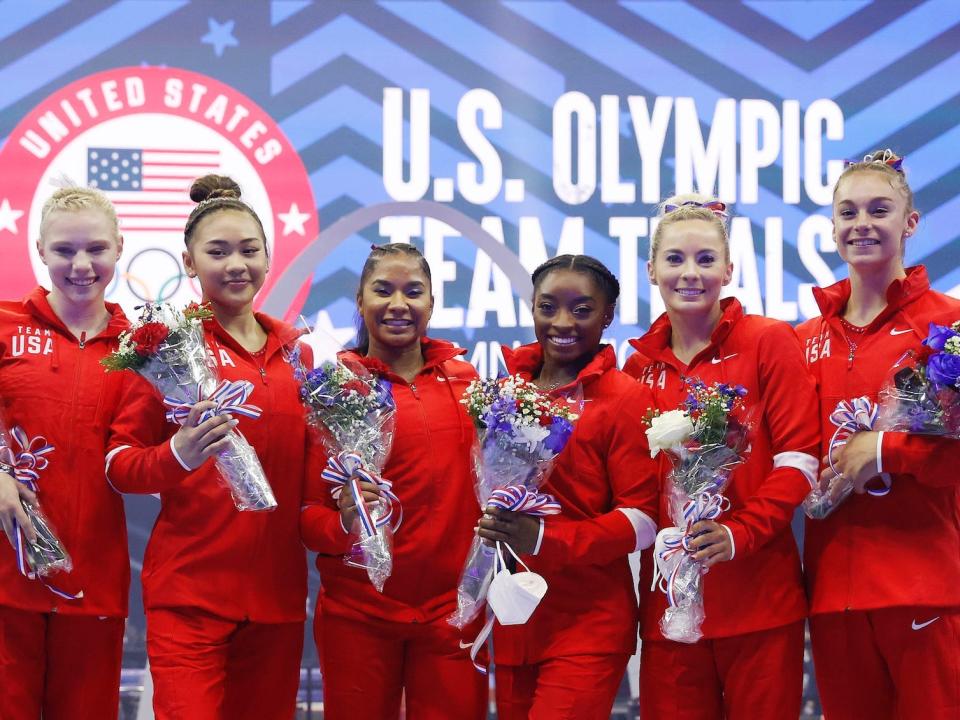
(353, 412)
(520, 431)
(921, 395)
(705, 441)
(45, 558)
(166, 346)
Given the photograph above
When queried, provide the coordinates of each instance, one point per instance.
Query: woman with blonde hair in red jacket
(224, 591)
(883, 573)
(749, 662)
(53, 388)
(378, 647)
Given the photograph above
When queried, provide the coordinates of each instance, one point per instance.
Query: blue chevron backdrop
(544, 126)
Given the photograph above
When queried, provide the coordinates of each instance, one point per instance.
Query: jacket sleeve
(930, 459)
(790, 416)
(140, 455)
(630, 523)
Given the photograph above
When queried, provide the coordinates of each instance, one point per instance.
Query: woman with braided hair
(883, 573)
(568, 660)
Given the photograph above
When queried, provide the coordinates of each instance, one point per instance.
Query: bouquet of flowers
(705, 440)
(353, 411)
(520, 431)
(921, 396)
(166, 347)
(24, 458)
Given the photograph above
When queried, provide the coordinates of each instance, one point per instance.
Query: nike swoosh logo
(894, 331)
(717, 361)
(920, 626)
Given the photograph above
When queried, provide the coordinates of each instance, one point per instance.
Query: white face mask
(513, 598)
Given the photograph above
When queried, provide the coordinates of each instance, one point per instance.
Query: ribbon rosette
(677, 574)
(850, 417)
(346, 470)
(230, 397)
(46, 555)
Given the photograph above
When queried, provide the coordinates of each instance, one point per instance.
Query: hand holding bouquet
(353, 411)
(166, 347)
(43, 558)
(921, 396)
(705, 440)
(520, 431)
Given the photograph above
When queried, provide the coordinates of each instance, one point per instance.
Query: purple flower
(944, 369)
(939, 334)
(560, 430)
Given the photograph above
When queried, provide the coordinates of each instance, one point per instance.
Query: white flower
(533, 433)
(668, 430)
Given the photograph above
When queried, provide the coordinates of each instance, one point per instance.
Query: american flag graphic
(149, 187)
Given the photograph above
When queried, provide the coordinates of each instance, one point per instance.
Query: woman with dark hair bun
(377, 648)
(568, 660)
(224, 591)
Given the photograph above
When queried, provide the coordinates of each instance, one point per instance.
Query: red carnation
(148, 337)
(358, 386)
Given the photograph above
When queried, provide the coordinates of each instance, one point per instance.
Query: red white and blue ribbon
(230, 397)
(673, 543)
(25, 465)
(516, 498)
(851, 417)
(346, 470)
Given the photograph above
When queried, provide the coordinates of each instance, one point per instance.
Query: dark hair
(606, 280)
(377, 253)
(214, 193)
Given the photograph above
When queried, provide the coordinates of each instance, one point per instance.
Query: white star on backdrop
(294, 220)
(326, 339)
(9, 217)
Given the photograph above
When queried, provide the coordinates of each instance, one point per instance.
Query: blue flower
(560, 430)
(944, 369)
(939, 334)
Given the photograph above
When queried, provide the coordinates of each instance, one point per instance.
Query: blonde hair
(691, 206)
(76, 199)
(887, 163)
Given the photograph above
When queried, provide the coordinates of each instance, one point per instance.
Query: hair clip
(717, 207)
(888, 157)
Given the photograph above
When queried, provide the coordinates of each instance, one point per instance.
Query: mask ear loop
(515, 557)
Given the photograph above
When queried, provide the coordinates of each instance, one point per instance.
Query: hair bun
(210, 187)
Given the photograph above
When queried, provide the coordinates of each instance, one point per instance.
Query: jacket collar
(655, 344)
(435, 353)
(280, 334)
(833, 300)
(37, 303)
(527, 360)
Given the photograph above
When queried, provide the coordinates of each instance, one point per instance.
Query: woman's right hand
(348, 509)
(11, 511)
(195, 443)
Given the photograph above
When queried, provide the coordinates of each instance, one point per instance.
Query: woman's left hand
(857, 460)
(519, 530)
(713, 545)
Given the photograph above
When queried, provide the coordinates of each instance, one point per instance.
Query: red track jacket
(430, 467)
(902, 549)
(54, 386)
(204, 553)
(590, 606)
(760, 587)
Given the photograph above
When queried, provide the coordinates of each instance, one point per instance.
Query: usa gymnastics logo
(142, 135)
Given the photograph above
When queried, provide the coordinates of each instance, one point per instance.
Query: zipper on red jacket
(263, 374)
(83, 339)
(413, 389)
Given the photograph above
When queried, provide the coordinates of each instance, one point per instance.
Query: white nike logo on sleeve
(920, 626)
(894, 331)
